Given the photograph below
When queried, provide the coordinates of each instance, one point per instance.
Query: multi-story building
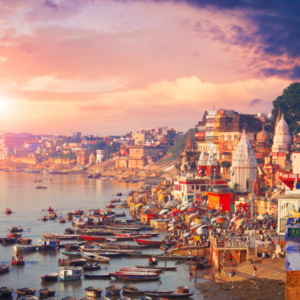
(3, 153)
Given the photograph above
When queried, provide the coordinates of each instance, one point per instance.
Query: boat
(93, 292)
(119, 194)
(134, 292)
(15, 235)
(8, 240)
(172, 257)
(113, 290)
(135, 278)
(44, 218)
(62, 220)
(172, 295)
(73, 262)
(28, 297)
(158, 268)
(91, 267)
(133, 236)
(17, 260)
(71, 254)
(24, 241)
(95, 257)
(110, 205)
(50, 277)
(25, 248)
(25, 291)
(93, 232)
(38, 181)
(106, 253)
(8, 211)
(92, 238)
(50, 209)
(6, 291)
(60, 236)
(153, 243)
(39, 187)
(70, 273)
(4, 268)
(141, 270)
(122, 205)
(151, 273)
(69, 231)
(47, 292)
(120, 246)
(120, 215)
(97, 276)
(46, 244)
(121, 227)
(16, 229)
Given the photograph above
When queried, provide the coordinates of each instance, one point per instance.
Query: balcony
(217, 189)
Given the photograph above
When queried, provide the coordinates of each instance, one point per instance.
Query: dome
(282, 137)
(263, 136)
(211, 159)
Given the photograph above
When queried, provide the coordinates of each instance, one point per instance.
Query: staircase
(267, 268)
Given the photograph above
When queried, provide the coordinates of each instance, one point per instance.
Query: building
(162, 130)
(281, 143)
(263, 146)
(99, 156)
(139, 138)
(244, 167)
(208, 167)
(11, 140)
(3, 153)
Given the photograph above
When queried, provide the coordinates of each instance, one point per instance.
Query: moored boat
(158, 268)
(95, 257)
(71, 254)
(93, 292)
(46, 244)
(39, 187)
(91, 267)
(47, 292)
(17, 260)
(113, 290)
(4, 268)
(141, 270)
(25, 291)
(8, 211)
(8, 240)
(172, 295)
(62, 220)
(70, 273)
(97, 276)
(6, 291)
(28, 297)
(153, 243)
(60, 236)
(25, 248)
(44, 218)
(16, 229)
(50, 277)
(15, 235)
(24, 241)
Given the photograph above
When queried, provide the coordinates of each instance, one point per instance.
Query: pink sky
(107, 67)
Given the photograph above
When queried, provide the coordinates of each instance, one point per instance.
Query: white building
(282, 137)
(244, 167)
(3, 153)
(99, 156)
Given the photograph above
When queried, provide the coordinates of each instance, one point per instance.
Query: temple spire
(189, 146)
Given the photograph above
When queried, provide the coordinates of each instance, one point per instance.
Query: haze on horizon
(108, 66)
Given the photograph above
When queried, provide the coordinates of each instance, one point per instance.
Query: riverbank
(258, 289)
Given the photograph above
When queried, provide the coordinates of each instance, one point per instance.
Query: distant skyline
(108, 66)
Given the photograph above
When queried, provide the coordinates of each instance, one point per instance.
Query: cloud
(292, 73)
(255, 102)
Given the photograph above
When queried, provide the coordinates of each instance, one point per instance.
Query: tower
(189, 146)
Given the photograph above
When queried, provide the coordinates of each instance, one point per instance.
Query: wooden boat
(172, 295)
(47, 292)
(8, 211)
(39, 187)
(69, 231)
(28, 297)
(62, 220)
(154, 243)
(73, 262)
(16, 229)
(95, 257)
(113, 290)
(61, 236)
(119, 194)
(135, 236)
(50, 277)
(139, 255)
(91, 267)
(121, 227)
(98, 276)
(136, 278)
(44, 218)
(120, 215)
(140, 270)
(47, 244)
(172, 257)
(25, 248)
(24, 241)
(134, 292)
(150, 273)
(15, 235)
(25, 291)
(92, 238)
(4, 268)
(122, 205)
(112, 245)
(18, 261)
(93, 292)
(94, 232)
(106, 254)
(158, 268)
(8, 240)
(6, 291)
(110, 205)
(71, 254)
(50, 209)
(70, 273)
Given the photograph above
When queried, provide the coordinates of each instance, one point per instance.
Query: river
(64, 193)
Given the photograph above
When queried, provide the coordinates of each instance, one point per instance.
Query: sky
(111, 66)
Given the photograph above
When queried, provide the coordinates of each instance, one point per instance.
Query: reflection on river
(64, 193)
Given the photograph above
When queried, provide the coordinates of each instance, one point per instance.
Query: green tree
(110, 149)
(289, 105)
(100, 145)
(225, 164)
(170, 137)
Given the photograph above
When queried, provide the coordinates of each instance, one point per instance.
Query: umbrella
(171, 228)
(173, 213)
(205, 225)
(212, 211)
(260, 217)
(191, 209)
(221, 220)
(201, 231)
(195, 226)
(233, 220)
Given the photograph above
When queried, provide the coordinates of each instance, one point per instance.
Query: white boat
(47, 244)
(70, 273)
(95, 257)
(25, 248)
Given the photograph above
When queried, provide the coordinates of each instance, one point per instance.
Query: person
(250, 261)
(58, 241)
(232, 273)
(254, 270)
(230, 257)
(150, 259)
(190, 253)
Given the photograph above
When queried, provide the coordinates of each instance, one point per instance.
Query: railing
(220, 190)
(226, 243)
(282, 225)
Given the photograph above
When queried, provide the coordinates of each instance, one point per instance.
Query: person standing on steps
(254, 270)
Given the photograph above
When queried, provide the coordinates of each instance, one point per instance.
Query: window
(193, 187)
(259, 161)
(197, 187)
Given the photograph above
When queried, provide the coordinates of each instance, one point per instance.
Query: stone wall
(292, 285)
(31, 160)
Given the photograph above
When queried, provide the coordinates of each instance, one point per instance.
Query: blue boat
(70, 273)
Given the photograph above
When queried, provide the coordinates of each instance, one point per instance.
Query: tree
(100, 145)
(170, 137)
(289, 105)
(225, 164)
(114, 147)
